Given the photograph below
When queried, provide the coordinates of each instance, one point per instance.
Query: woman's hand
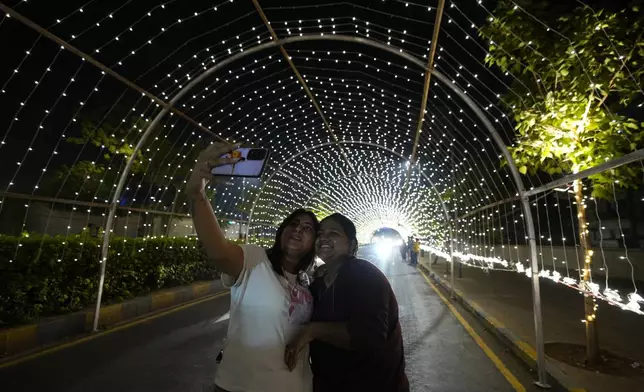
(206, 161)
(297, 344)
(227, 257)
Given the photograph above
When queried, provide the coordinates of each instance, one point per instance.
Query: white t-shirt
(266, 310)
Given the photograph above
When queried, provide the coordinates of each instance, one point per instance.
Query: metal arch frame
(387, 48)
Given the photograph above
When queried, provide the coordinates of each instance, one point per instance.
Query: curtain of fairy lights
(67, 128)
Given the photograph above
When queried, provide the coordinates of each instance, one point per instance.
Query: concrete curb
(519, 347)
(19, 340)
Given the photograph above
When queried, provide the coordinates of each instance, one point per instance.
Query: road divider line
(125, 325)
(486, 349)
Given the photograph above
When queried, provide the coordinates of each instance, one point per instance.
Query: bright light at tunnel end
(385, 245)
(367, 228)
(383, 249)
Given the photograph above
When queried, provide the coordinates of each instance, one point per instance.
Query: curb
(519, 347)
(52, 330)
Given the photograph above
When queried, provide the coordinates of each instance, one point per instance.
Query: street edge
(519, 347)
(29, 340)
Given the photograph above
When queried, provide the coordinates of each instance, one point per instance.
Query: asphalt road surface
(177, 351)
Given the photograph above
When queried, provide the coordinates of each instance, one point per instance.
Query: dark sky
(149, 67)
(237, 103)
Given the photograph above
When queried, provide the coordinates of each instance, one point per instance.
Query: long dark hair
(276, 253)
(348, 227)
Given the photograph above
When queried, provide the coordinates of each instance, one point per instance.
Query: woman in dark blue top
(355, 337)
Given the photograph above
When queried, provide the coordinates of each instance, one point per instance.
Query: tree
(84, 179)
(161, 166)
(575, 84)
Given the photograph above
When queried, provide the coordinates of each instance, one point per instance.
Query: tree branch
(537, 82)
(582, 124)
(621, 67)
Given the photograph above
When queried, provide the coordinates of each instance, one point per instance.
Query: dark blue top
(362, 297)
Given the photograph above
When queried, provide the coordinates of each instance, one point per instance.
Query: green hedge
(46, 276)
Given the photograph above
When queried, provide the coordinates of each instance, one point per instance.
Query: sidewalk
(507, 296)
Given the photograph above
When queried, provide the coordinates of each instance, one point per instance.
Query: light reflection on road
(383, 257)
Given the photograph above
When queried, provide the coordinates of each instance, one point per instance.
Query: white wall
(615, 259)
(42, 219)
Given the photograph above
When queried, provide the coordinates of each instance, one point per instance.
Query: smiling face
(298, 236)
(332, 242)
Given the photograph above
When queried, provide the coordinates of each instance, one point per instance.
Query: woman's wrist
(195, 197)
(312, 331)
(196, 193)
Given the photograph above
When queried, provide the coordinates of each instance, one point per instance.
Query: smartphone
(252, 166)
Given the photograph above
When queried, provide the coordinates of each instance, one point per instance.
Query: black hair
(348, 227)
(276, 253)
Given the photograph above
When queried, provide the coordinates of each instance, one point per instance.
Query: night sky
(153, 62)
(161, 46)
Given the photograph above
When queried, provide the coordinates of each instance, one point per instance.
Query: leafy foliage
(577, 83)
(161, 165)
(84, 180)
(54, 275)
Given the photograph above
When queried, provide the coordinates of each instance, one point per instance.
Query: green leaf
(38, 285)
(548, 112)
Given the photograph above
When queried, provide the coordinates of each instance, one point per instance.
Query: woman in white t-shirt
(269, 298)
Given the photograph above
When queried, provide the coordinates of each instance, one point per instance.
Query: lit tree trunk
(592, 338)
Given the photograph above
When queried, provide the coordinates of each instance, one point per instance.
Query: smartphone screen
(252, 165)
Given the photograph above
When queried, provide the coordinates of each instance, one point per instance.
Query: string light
(370, 100)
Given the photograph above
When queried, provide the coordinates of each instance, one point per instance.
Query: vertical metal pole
(239, 234)
(452, 226)
(527, 212)
(101, 280)
(460, 263)
(451, 258)
(115, 202)
(536, 298)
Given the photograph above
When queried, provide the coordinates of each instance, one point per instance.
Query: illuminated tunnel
(105, 107)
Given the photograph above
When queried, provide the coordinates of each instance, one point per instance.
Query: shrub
(46, 276)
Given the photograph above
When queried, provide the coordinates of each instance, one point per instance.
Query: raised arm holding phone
(228, 257)
(269, 302)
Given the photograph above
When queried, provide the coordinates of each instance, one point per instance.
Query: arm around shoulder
(368, 324)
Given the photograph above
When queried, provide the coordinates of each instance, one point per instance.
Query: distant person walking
(415, 250)
(403, 251)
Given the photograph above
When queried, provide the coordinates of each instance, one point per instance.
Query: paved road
(507, 296)
(176, 352)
